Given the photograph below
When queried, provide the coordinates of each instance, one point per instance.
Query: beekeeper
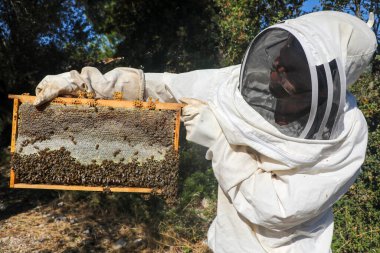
(285, 137)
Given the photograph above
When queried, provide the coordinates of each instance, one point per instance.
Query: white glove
(200, 122)
(129, 81)
(54, 85)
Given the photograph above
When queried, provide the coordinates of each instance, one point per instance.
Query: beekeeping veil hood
(295, 74)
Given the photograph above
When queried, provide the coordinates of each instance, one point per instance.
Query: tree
(37, 38)
(240, 21)
(184, 35)
(159, 35)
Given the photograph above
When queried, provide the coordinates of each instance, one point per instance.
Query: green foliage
(240, 21)
(38, 38)
(42, 37)
(159, 35)
(201, 184)
(185, 35)
(357, 214)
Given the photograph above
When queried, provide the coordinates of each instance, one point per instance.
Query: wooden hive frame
(151, 105)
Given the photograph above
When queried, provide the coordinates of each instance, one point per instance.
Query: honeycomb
(85, 145)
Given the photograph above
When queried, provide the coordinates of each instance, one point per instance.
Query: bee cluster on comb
(82, 145)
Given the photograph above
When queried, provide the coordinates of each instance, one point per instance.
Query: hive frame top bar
(104, 102)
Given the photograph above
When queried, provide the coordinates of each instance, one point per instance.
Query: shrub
(357, 214)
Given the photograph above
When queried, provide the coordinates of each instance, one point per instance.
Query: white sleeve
(134, 84)
(283, 202)
(155, 87)
(129, 81)
(282, 199)
(201, 125)
(169, 87)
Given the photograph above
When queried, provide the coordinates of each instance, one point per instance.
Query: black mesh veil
(277, 81)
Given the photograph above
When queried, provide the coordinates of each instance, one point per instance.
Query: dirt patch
(63, 229)
(79, 227)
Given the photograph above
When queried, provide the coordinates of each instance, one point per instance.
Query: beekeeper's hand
(200, 122)
(53, 86)
(129, 82)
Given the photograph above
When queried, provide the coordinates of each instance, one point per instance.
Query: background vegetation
(40, 37)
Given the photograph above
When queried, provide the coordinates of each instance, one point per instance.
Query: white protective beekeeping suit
(285, 138)
(278, 180)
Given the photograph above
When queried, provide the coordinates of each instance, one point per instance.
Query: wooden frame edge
(12, 179)
(176, 131)
(102, 102)
(85, 188)
(14, 125)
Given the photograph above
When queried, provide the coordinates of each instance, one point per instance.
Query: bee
(116, 152)
(72, 139)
